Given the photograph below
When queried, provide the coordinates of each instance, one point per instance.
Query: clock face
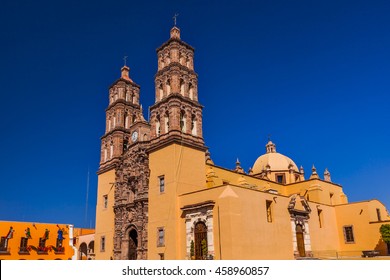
(134, 136)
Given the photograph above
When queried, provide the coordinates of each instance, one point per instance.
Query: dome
(273, 160)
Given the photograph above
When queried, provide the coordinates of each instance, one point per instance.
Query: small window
(331, 198)
(160, 237)
(161, 256)
(105, 201)
(320, 218)
(269, 210)
(280, 178)
(161, 181)
(102, 244)
(378, 214)
(348, 234)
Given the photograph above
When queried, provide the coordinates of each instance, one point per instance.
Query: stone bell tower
(176, 114)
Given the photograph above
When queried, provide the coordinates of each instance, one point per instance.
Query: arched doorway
(200, 241)
(133, 244)
(300, 240)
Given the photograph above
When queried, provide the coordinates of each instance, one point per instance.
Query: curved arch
(83, 251)
(132, 234)
(91, 247)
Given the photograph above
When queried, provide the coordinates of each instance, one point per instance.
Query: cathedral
(160, 196)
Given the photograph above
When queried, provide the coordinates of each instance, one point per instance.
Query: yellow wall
(241, 229)
(183, 171)
(37, 230)
(105, 215)
(362, 216)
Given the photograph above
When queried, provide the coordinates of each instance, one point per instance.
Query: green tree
(192, 250)
(204, 248)
(385, 232)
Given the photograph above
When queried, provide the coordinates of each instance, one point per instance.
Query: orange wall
(37, 231)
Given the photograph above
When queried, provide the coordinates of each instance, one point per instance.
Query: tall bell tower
(176, 114)
(121, 186)
(176, 151)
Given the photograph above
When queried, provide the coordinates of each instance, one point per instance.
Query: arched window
(200, 241)
(183, 127)
(126, 120)
(168, 87)
(182, 85)
(191, 91)
(105, 153)
(111, 150)
(166, 122)
(158, 128)
(193, 125)
(161, 91)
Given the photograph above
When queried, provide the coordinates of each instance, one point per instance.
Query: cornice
(176, 137)
(175, 64)
(123, 102)
(172, 40)
(126, 81)
(176, 97)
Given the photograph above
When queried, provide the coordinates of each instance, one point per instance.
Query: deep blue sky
(313, 74)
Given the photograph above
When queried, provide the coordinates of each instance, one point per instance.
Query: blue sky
(312, 74)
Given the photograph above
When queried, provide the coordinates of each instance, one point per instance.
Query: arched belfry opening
(133, 244)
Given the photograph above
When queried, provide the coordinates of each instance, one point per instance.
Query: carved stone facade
(299, 210)
(199, 213)
(131, 204)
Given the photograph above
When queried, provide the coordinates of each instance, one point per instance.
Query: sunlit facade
(160, 195)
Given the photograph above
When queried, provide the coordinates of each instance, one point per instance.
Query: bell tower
(122, 113)
(122, 174)
(176, 114)
(177, 154)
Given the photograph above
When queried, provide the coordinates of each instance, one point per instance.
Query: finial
(175, 18)
(314, 174)
(269, 137)
(327, 175)
(238, 167)
(125, 60)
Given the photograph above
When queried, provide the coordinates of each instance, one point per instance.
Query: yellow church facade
(160, 196)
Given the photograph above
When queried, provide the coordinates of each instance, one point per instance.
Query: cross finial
(269, 137)
(125, 60)
(175, 18)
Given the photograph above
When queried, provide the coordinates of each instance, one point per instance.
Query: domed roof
(273, 160)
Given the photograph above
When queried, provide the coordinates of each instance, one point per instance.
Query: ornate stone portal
(131, 204)
(194, 215)
(299, 214)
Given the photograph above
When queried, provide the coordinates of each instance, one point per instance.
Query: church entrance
(133, 244)
(200, 241)
(300, 240)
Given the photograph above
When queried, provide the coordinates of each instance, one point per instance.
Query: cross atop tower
(175, 18)
(125, 60)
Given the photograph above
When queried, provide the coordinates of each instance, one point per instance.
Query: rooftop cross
(175, 18)
(125, 59)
